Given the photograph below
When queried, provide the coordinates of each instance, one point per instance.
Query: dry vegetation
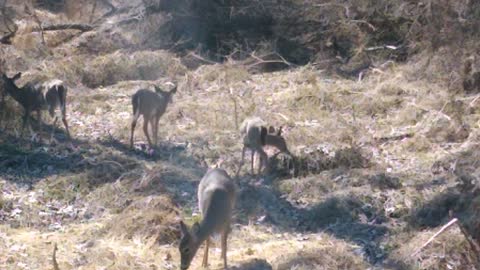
(380, 163)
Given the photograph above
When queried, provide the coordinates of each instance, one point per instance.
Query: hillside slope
(382, 161)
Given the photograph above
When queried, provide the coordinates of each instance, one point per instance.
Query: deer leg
(205, 255)
(244, 149)
(24, 122)
(64, 120)
(3, 112)
(155, 129)
(145, 129)
(263, 160)
(134, 123)
(252, 161)
(39, 120)
(53, 127)
(224, 248)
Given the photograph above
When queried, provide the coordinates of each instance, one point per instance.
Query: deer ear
(279, 133)
(174, 90)
(271, 129)
(17, 76)
(183, 229)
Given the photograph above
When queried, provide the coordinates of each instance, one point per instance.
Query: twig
(446, 226)
(93, 163)
(235, 108)
(201, 58)
(54, 258)
(473, 101)
(283, 116)
(365, 22)
(262, 61)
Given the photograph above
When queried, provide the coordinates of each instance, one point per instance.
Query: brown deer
(256, 136)
(37, 97)
(217, 193)
(152, 105)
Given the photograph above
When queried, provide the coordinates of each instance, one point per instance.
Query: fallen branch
(194, 55)
(262, 61)
(446, 226)
(395, 137)
(70, 26)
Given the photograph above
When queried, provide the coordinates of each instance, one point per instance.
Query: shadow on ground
(339, 216)
(254, 264)
(25, 162)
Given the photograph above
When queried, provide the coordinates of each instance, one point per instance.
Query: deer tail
(62, 95)
(263, 134)
(135, 103)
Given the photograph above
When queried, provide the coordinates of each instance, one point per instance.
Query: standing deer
(152, 106)
(38, 97)
(216, 200)
(256, 136)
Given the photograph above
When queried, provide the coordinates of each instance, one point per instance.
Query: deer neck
(13, 90)
(168, 96)
(276, 141)
(205, 230)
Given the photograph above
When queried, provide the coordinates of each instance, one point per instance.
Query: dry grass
(359, 168)
(450, 250)
(319, 117)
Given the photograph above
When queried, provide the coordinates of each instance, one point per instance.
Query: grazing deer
(152, 106)
(256, 136)
(216, 200)
(38, 97)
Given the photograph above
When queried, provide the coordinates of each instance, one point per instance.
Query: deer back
(216, 199)
(254, 132)
(148, 102)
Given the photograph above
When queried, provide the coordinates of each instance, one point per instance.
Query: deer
(49, 96)
(151, 105)
(256, 136)
(217, 193)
